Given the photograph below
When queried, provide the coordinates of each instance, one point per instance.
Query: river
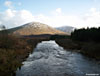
(49, 59)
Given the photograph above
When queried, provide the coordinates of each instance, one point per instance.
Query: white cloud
(8, 4)
(92, 18)
(93, 9)
(12, 18)
(58, 10)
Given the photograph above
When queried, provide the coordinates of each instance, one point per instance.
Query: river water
(49, 59)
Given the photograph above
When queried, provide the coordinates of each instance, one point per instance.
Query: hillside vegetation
(86, 35)
(90, 39)
(13, 51)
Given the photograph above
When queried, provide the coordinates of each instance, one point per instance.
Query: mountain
(67, 29)
(35, 28)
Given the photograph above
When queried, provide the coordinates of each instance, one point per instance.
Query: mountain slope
(67, 29)
(35, 28)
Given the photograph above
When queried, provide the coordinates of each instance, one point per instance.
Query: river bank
(13, 51)
(90, 49)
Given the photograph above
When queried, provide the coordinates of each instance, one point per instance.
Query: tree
(89, 34)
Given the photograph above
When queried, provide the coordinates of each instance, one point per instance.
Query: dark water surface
(49, 59)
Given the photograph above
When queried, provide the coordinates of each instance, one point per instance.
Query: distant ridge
(67, 29)
(35, 28)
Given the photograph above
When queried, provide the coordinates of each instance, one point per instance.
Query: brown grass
(12, 54)
(90, 49)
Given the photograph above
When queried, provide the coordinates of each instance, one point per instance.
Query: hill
(67, 29)
(35, 28)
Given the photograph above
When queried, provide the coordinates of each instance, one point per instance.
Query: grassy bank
(90, 48)
(65, 42)
(13, 51)
(68, 44)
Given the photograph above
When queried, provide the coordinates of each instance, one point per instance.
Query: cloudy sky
(77, 13)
